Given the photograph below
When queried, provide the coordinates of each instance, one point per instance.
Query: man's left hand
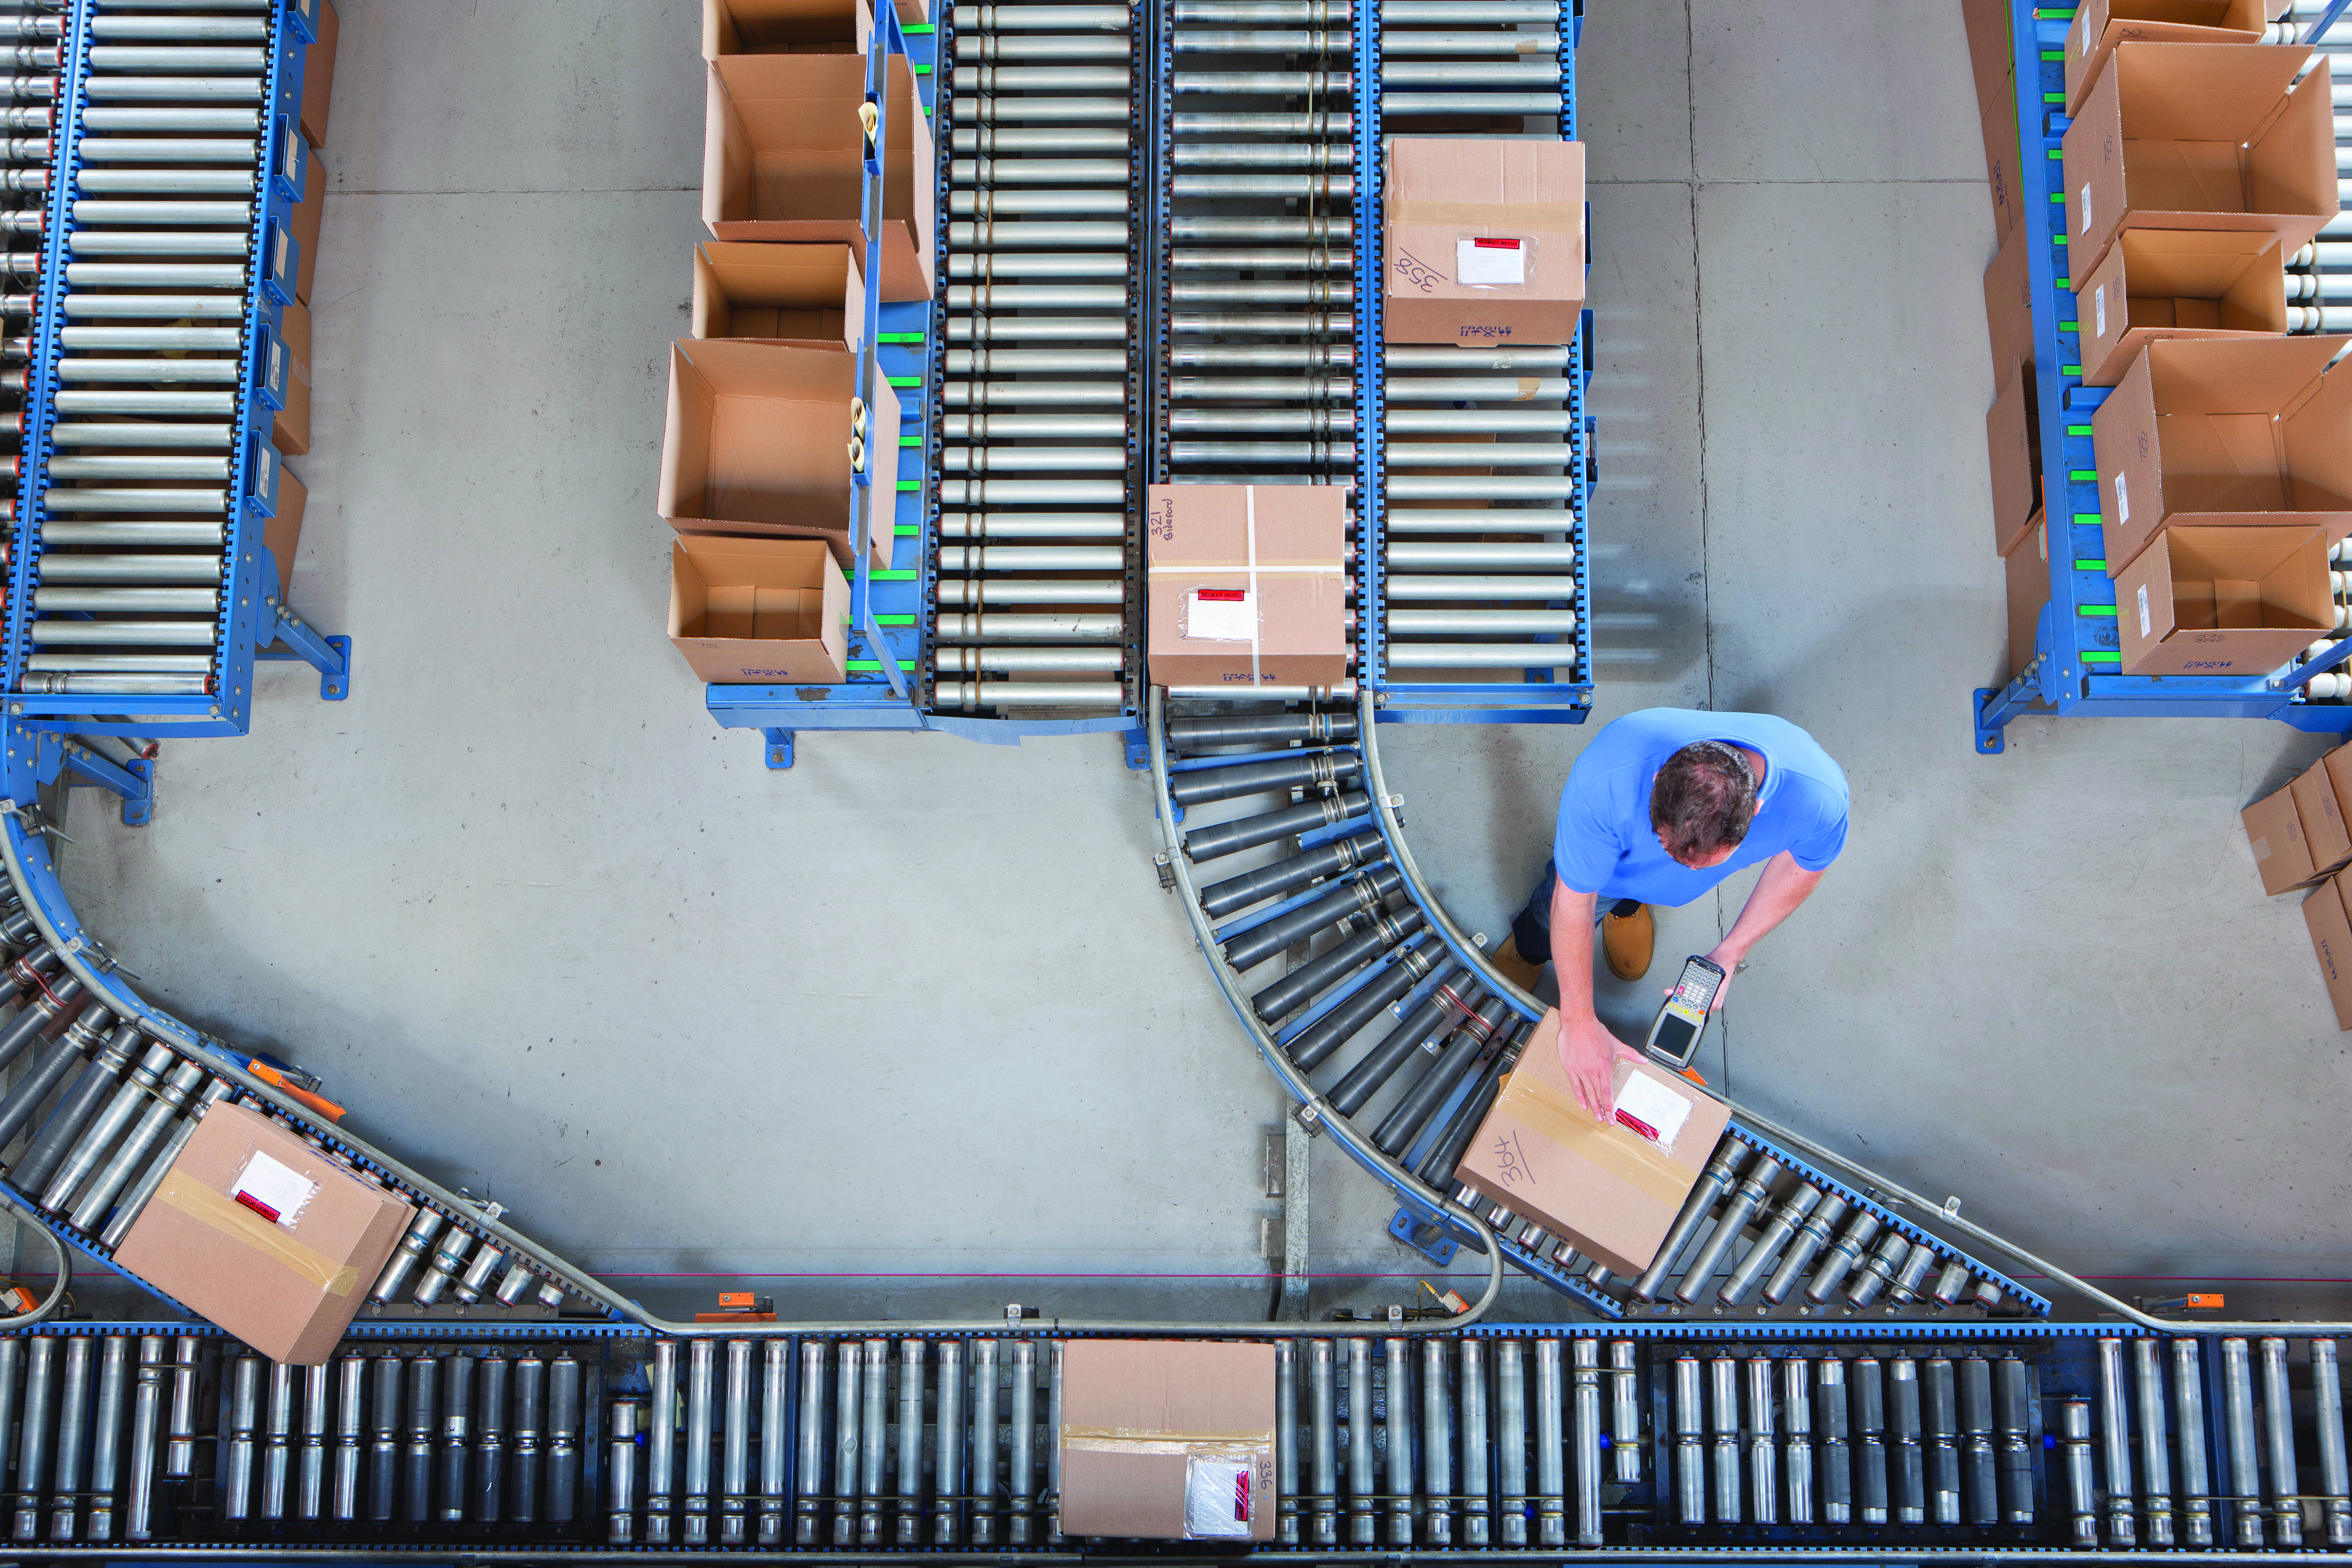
(1728, 959)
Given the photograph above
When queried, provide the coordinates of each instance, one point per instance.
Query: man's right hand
(1588, 1054)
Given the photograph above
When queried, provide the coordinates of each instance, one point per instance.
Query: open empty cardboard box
(2223, 601)
(757, 442)
(758, 610)
(2199, 136)
(2100, 25)
(2224, 433)
(784, 159)
(2177, 283)
(788, 27)
(804, 296)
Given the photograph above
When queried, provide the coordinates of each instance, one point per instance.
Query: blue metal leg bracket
(1431, 1241)
(330, 657)
(1139, 750)
(779, 748)
(133, 780)
(1991, 733)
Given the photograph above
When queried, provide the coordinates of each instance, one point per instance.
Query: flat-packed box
(2223, 601)
(308, 214)
(290, 425)
(758, 441)
(1168, 1440)
(2177, 283)
(784, 159)
(2283, 854)
(2009, 308)
(2323, 913)
(756, 610)
(806, 296)
(1612, 1190)
(2028, 568)
(2100, 25)
(1992, 61)
(264, 1234)
(1485, 241)
(2224, 433)
(1249, 585)
(2199, 136)
(786, 27)
(319, 73)
(2014, 456)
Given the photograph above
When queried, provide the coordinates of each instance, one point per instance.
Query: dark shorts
(1531, 927)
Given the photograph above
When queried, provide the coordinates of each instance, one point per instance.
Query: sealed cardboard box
(2336, 765)
(2224, 433)
(2014, 456)
(2223, 601)
(2009, 309)
(1168, 1440)
(756, 610)
(2199, 136)
(2100, 25)
(2177, 283)
(806, 296)
(2323, 913)
(290, 425)
(1613, 1191)
(2029, 589)
(2322, 817)
(757, 441)
(2275, 833)
(308, 214)
(1484, 241)
(264, 1234)
(1992, 60)
(784, 159)
(319, 73)
(1249, 585)
(282, 533)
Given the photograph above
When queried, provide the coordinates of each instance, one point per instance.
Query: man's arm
(1783, 886)
(1588, 1051)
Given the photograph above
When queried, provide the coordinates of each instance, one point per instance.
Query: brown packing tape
(1528, 386)
(1562, 217)
(1626, 1155)
(1185, 1447)
(1217, 568)
(1160, 1434)
(232, 1220)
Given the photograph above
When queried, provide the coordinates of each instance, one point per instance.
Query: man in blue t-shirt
(1661, 807)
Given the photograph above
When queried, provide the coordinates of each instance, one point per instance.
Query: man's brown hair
(1703, 800)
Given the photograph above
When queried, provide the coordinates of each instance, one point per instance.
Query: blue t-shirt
(1605, 843)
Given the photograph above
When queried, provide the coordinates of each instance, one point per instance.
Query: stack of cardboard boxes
(764, 432)
(2300, 839)
(2193, 164)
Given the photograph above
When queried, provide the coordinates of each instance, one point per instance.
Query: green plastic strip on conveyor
(2090, 565)
(873, 666)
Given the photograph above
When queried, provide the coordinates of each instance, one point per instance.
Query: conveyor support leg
(779, 748)
(133, 780)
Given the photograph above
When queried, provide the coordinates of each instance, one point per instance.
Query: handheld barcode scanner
(1675, 1033)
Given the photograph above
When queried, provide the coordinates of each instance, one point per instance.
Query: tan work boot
(1627, 943)
(1514, 965)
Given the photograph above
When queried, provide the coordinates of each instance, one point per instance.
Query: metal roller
(1363, 1477)
(1452, 998)
(2075, 1459)
(1473, 1039)
(2014, 1403)
(1879, 1270)
(1323, 1444)
(63, 1130)
(701, 1371)
(1744, 1200)
(423, 1427)
(488, 1491)
(2196, 1483)
(2286, 1493)
(1287, 1481)
(1477, 1486)
(1397, 1405)
(1939, 1387)
(134, 1200)
(1437, 1446)
(1551, 1478)
(947, 1464)
(1771, 1239)
(873, 1433)
(73, 1439)
(1763, 1454)
(1981, 1495)
(2238, 1414)
(1906, 1467)
(1723, 1388)
(1690, 1442)
(2155, 1455)
(107, 1413)
(735, 1445)
(1797, 1451)
(661, 1438)
(1712, 1182)
(1871, 1482)
(146, 1426)
(1511, 1441)
(277, 1442)
(529, 1422)
(565, 1391)
(1842, 1256)
(1021, 1451)
(2115, 1433)
(913, 1374)
(456, 1375)
(808, 1506)
(985, 1443)
(1837, 1458)
(244, 1415)
(621, 1469)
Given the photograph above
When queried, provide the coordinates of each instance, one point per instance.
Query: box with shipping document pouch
(1485, 241)
(1249, 585)
(1612, 1191)
(1168, 1440)
(266, 1234)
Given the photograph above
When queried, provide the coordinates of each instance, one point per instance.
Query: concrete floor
(916, 1012)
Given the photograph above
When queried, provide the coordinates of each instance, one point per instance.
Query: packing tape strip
(1501, 216)
(239, 1223)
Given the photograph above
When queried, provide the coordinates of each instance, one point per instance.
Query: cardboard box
(756, 610)
(261, 1232)
(2177, 283)
(1484, 241)
(2100, 25)
(2199, 136)
(2336, 767)
(2029, 589)
(2323, 913)
(319, 74)
(784, 155)
(1168, 1440)
(1609, 1190)
(282, 534)
(2223, 601)
(2323, 819)
(2224, 433)
(804, 296)
(2282, 855)
(787, 27)
(1249, 585)
(1992, 60)
(290, 425)
(2013, 451)
(308, 214)
(757, 442)
(2009, 309)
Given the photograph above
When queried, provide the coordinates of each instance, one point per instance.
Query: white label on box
(1656, 1106)
(1221, 614)
(2143, 610)
(2123, 501)
(2086, 207)
(1489, 263)
(274, 1190)
(1217, 1503)
(2099, 307)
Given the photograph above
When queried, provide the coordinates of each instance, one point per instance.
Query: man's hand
(1728, 959)
(1588, 1055)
